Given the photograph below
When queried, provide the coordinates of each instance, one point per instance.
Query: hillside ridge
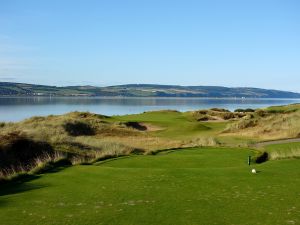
(142, 90)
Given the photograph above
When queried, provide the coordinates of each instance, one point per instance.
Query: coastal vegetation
(272, 123)
(85, 138)
(119, 167)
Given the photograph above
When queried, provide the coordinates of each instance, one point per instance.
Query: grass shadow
(107, 160)
(21, 182)
(2, 203)
(18, 185)
(172, 150)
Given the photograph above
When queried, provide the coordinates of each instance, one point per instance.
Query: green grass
(175, 124)
(185, 187)
(183, 126)
(283, 109)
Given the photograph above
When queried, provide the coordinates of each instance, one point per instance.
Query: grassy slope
(173, 124)
(194, 186)
(278, 122)
(142, 90)
(182, 126)
(174, 129)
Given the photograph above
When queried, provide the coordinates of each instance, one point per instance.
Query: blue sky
(210, 42)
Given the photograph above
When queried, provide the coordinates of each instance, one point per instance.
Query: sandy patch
(151, 127)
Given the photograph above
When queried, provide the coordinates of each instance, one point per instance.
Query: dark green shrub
(219, 110)
(239, 110)
(78, 128)
(244, 110)
(249, 110)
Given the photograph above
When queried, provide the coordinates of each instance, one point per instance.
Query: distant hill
(142, 90)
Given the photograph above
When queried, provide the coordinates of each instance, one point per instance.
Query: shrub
(249, 110)
(78, 128)
(239, 110)
(244, 110)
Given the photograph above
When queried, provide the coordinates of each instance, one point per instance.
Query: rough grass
(216, 114)
(283, 151)
(40, 164)
(269, 124)
(64, 129)
(78, 128)
(285, 154)
(18, 150)
(46, 162)
(194, 186)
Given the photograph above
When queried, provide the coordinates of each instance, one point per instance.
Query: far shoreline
(141, 97)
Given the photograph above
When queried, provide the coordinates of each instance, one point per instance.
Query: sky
(234, 43)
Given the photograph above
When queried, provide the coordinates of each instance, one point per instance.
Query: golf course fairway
(182, 187)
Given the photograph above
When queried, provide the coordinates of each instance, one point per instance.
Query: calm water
(18, 108)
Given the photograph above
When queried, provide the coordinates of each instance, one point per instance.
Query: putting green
(184, 187)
